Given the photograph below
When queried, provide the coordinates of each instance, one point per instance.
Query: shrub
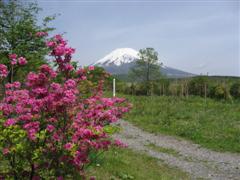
(174, 89)
(197, 86)
(161, 87)
(141, 89)
(220, 92)
(48, 126)
(235, 90)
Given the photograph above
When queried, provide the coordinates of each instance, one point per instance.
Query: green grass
(212, 124)
(125, 164)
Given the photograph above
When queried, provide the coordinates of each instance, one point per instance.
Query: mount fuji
(121, 60)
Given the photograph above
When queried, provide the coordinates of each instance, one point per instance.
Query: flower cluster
(62, 53)
(14, 60)
(41, 34)
(61, 125)
(3, 71)
(22, 61)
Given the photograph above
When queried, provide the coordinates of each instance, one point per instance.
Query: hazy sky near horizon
(196, 36)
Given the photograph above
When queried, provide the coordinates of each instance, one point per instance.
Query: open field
(212, 124)
(126, 164)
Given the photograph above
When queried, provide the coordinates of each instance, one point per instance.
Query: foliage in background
(198, 86)
(220, 91)
(235, 90)
(224, 88)
(147, 68)
(21, 34)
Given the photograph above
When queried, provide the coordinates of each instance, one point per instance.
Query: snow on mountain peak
(118, 57)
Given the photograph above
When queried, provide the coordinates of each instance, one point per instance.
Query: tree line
(194, 86)
(145, 78)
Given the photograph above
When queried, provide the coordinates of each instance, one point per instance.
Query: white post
(114, 87)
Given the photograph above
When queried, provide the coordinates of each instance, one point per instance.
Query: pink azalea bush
(48, 128)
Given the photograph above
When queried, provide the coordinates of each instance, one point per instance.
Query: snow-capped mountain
(118, 57)
(121, 60)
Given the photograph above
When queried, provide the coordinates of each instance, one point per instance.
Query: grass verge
(119, 164)
(212, 124)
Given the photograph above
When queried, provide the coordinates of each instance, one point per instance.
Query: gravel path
(191, 158)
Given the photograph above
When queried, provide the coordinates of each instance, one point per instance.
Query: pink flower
(91, 68)
(56, 87)
(40, 91)
(9, 122)
(32, 134)
(3, 71)
(68, 146)
(13, 61)
(41, 34)
(69, 51)
(5, 151)
(12, 56)
(60, 178)
(108, 101)
(56, 137)
(69, 84)
(119, 143)
(68, 67)
(50, 44)
(52, 120)
(17, 85)
(25, 117)
(81, 71)
(59, 50)
(58, 37)
(50, 128)
(69, 97)
(83, 77)
(32, 128)
(22, 61)
(48, 71)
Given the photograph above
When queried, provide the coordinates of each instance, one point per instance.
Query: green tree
(147, 68)
(235, 90)
(199, 86)
(220, 91)
(18, 29)
(161, 86)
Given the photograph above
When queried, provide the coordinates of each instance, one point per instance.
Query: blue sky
(195, 36)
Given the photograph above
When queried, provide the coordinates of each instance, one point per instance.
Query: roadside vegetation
(210, 123)
(126, 164)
